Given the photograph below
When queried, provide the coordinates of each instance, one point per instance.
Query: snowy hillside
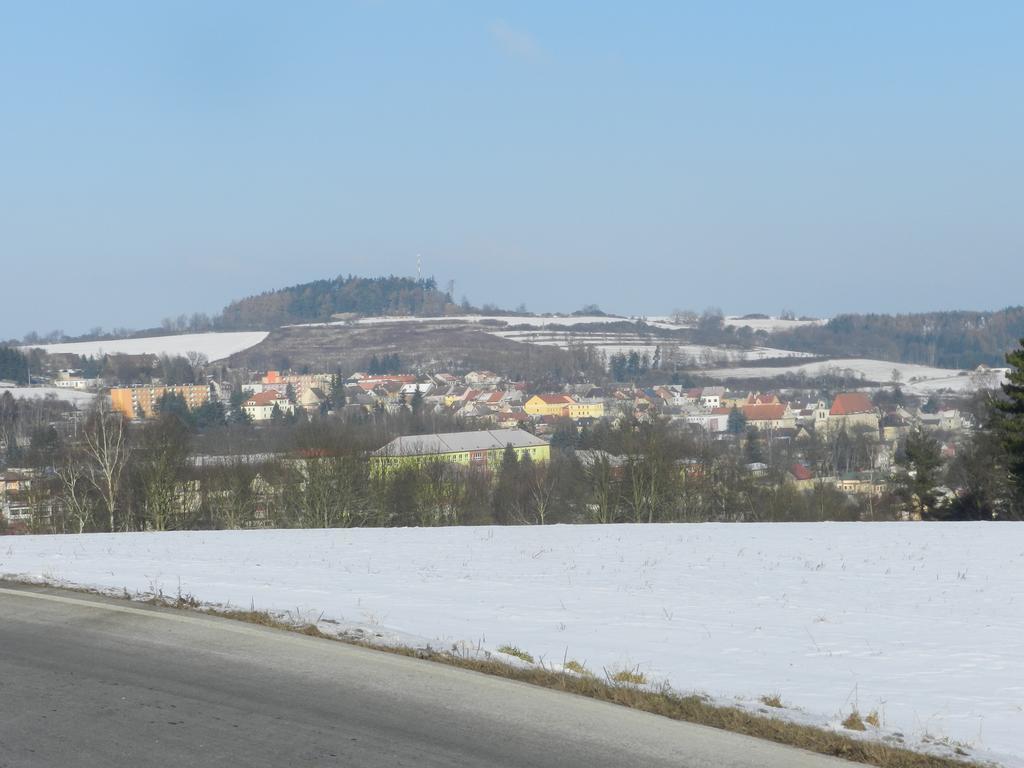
(79, 399)
(921, 379)
(770, 324)
(215, 346)
(921, 622)
(615, 342)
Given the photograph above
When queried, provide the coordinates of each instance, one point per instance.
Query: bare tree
(105, 445)
(78, 502)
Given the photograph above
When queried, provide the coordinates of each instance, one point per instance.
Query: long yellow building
(141, 402)
(564, 405)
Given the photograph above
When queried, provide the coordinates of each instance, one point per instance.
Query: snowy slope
(923, 622)
(79, 399)
(914, 378)
(770, 324)
(215, 346)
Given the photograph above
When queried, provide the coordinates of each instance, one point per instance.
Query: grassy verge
(621, 688)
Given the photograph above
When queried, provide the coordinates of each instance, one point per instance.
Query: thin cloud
(516, 43)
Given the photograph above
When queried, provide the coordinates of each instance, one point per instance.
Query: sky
(167, 157)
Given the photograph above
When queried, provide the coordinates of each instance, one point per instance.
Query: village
(850, 442)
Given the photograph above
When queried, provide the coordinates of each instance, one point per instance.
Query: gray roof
(459, 442)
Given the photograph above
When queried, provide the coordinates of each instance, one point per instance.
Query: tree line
(944, 339)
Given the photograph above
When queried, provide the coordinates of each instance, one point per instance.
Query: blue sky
(164, 158)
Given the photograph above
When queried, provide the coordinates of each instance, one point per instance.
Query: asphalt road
(88, 681)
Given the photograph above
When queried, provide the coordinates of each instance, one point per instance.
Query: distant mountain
(320, 300)
(957, 339)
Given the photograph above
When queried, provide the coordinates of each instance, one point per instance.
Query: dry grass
(665, 702)
(872, 718)
(772, 700)
(574, 666)
(519, 653)
(854, 722)
(628, 677)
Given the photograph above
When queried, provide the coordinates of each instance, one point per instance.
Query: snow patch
(216, 346)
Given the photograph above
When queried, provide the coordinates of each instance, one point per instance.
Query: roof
(800, 472)
(764, 412)
(847, 403)
(458, 442)
(269, 397)
(555, 399)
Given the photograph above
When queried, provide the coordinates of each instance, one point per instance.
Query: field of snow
(216, 346)
(770, 324)
(79, 399)
(922, 379)
(922, 622)
(612, 343)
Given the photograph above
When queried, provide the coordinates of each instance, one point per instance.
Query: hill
(436, 346)
(959, 339)
(320, 300)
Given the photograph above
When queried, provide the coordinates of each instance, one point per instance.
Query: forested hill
(319, 300)
(945, 339)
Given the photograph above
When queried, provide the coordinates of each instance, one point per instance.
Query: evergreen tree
(923, 458)
(1008, 423)
(13, 365)
(173, 405)
(337, 392)
(737, 423)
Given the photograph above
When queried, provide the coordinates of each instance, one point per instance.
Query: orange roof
(800, 472)
(265, 398)
(847, 403)
(556, 399)
(764, 412)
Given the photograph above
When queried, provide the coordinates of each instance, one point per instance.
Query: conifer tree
(1008, 421)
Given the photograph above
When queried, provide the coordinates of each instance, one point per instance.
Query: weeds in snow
(519, 653)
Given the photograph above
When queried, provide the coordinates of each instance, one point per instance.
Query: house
(14, 495)
(260, 407)
(715, 421)
(801, 477)
(548, 405)
(942, 421)
(852, 411)
(312, 399)
(711, 397)
(299, 382)
(72, 379)
(768, 417)
(482, 449)
(483, 378)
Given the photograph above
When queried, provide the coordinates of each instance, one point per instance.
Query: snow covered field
(613, 342)
(79, 399)
(215, 346)
(921, 379)
(770, 324)
(922, 622)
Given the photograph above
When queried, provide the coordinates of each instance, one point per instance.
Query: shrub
(628, 677)
(854, 722)
(519, 653)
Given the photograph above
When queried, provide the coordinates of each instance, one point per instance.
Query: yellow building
(483, 449)
(141, 402)
(564, 405)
